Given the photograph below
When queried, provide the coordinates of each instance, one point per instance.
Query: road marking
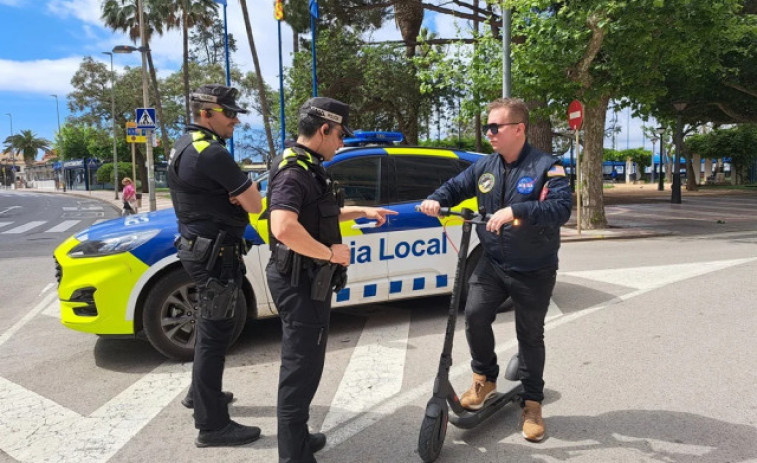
(35, 429)
(655, 276)
(9, 209)
(63, 226)
(43, 304)
(24, 228)
(82, 208)
(375, 370)
(410, 397)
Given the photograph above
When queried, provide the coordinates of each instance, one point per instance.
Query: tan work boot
(533, 424)
(480, 390)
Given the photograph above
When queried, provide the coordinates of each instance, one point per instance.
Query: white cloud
(11, 2)
(40, 76)
(85, 10)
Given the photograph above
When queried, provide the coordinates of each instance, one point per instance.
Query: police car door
(361, 175)
(421, 257)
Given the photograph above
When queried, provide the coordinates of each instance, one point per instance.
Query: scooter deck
(471, 418)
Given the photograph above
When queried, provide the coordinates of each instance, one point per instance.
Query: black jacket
(536, 188)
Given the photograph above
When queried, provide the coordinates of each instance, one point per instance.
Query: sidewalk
(567, 233)
(162, 199)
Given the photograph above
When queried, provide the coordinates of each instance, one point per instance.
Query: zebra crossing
(40, 226)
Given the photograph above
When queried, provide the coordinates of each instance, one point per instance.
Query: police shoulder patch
(486, 182)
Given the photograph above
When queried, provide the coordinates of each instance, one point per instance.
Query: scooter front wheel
(433, 431)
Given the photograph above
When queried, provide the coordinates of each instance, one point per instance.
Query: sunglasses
(494, 128)
(230, 113)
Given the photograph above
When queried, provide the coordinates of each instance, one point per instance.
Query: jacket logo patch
(556, 171)
(486, 182)
(525, 185)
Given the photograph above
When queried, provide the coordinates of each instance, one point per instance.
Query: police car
(122, 277)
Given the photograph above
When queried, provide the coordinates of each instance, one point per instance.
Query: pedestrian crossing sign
(146, 118)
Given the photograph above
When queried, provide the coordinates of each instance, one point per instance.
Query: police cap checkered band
(218, 94)
(328, 109)
(313, 111)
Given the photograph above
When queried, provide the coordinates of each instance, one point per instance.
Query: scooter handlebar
(465, 213)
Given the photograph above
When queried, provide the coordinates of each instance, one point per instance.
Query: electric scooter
(434, 427)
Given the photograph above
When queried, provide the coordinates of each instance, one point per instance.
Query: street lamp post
(675, 196)
(653, 140)
(145, 100)
(57, 113)
(13, 155)
(113, 116)
(661, 132)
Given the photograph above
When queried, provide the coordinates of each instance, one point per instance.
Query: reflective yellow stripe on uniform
(289, 154)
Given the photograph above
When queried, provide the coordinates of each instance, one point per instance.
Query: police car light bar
(362, 138)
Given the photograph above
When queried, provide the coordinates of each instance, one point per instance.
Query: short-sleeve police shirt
(294, 188)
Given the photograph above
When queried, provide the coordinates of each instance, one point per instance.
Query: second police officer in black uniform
(212, 198)
(308, 263)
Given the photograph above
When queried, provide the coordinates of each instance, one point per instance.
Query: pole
(315, 79)
(145, 102)
(675, 190)
(134, 163)
(57, 112)
(281, 92)
(113, 116)
(13, 155)
(572, 168)
(660, 186)
(506, 23)
(578, 190)
(228, 68)
(651, 171)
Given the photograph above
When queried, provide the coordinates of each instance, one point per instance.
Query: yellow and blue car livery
(108, 272)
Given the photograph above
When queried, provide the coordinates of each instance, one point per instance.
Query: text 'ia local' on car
(122, 277)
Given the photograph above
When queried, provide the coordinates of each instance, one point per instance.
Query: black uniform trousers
(304, 332)
(489, 287)
(212, 340)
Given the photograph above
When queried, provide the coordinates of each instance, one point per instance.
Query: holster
(282, 256)
(218, 300)
(196, 250)
(321, 286)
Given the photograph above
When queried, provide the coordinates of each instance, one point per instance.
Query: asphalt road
(650, 358)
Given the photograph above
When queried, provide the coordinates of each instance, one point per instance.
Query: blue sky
(45, 41)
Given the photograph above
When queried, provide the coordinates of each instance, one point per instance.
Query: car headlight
(107, 246)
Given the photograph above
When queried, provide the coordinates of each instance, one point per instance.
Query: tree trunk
(591, 182)
(158, 106)
(185, 40)
(408, 14)
(539, 128)
(261, 85)
(295, 42)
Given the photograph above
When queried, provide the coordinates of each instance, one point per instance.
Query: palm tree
(123, 15)
(28, 144)
(187, 14)
(261, 85)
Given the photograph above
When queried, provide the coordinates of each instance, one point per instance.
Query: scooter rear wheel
(431, 439)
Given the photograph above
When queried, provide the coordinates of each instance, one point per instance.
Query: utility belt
(327, 276)
(205, 250)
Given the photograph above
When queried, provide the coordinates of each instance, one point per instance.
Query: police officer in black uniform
(308, 262)
(529, 197)
(212, 197)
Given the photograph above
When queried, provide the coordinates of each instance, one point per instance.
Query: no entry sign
(575, 114)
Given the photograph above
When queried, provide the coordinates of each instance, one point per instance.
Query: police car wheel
(170, 315)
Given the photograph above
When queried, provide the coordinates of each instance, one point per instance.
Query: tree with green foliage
(123, 15)
(28, 144)
(186, 14)
(207, 45)
(738, 143)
